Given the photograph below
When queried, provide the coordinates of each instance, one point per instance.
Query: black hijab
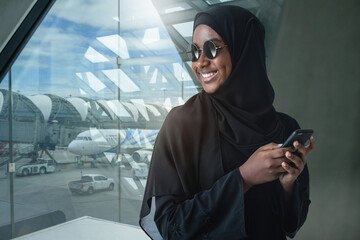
(187, 156)
(247, 95)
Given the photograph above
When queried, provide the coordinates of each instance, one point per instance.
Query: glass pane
(4, 154)
(84, 125)
(175, 7)
(185, 30)
(57, 77)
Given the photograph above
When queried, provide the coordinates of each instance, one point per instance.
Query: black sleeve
(295, 211)
(215, 213)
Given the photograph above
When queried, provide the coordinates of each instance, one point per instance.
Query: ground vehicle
(140, 170)
(37, 166)
(89, 183)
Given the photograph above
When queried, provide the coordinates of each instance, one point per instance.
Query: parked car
(37, 166)
(89, 183)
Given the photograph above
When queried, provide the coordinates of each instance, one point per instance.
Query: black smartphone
(300, 135)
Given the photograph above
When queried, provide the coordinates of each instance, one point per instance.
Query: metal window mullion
(11, 160)
(118, 61)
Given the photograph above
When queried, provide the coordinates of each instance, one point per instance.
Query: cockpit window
(84, 138)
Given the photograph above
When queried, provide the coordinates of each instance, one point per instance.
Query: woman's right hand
(264, 165)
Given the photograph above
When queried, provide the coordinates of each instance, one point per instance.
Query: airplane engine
(142, 156)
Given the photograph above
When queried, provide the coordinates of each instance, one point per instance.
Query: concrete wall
(315, 69)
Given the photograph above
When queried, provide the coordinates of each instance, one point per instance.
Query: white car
(140, 170)
(89, 183)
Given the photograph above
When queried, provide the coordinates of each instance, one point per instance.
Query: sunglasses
(210, 50)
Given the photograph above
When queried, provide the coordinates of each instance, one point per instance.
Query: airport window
(89, 92)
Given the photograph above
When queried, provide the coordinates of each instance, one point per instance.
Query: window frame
(23, 34)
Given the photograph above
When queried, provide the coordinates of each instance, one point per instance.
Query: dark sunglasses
(210, 50)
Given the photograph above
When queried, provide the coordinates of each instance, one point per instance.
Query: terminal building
(38, 118)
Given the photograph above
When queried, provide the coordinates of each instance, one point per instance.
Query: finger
(275, 163)
(296, 160)
(291, 148)
(277, 153)
(288, 168)
(300, 148)
(304, 150)
(312, 144)
(269, 146)
(280, 170)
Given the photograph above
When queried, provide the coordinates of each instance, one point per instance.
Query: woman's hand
(297, 161)
(264, 165)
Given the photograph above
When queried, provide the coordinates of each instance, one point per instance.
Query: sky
(74, 51)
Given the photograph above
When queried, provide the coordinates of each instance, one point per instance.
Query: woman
(216, 170)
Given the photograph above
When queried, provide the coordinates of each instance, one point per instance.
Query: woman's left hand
(288, 178)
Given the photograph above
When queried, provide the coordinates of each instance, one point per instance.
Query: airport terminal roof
(23, 108)
(79, 109)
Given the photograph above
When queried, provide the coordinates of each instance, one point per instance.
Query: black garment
(221, 211)
(194, 188)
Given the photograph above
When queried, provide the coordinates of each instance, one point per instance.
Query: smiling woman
(211, 72)
(219, 174)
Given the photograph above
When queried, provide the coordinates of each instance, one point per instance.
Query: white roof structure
(153, 110)
(115, 108)
(133, 110)
(80, 105)
(140, 105)
(80, 109)
(44, 104)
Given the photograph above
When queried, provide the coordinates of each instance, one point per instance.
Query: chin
(211, 87)
(210, 90)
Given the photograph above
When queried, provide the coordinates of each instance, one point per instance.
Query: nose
(73, 147)
(202, 61)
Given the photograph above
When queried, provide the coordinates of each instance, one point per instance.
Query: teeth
(206, 75)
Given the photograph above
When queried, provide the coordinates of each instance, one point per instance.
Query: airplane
(104, 142)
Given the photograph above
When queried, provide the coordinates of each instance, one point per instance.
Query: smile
(208, 76)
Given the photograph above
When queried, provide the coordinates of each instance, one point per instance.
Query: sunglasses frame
(206, 49)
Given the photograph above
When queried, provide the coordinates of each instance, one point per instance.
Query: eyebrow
(214, 40)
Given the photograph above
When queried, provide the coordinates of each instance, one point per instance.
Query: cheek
(228, 71)
(225, 70)
(193, 67)
(226, 64)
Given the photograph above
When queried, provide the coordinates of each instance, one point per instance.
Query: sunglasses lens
(210, 49)
(193, 52)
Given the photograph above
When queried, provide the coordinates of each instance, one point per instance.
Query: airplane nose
(72, 147)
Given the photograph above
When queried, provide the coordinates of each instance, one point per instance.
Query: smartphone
(300, 135)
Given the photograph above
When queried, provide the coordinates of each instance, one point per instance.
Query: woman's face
(212, 73)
